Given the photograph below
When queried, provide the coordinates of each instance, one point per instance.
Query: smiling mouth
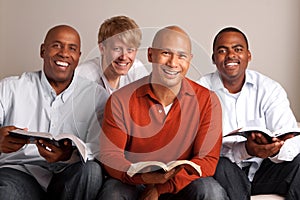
(62, 63)
(232, 64)
(121, 64)
(169, 72)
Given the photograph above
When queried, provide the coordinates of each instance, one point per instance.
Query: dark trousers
(201, 189)
(271, 178)
(79, 181)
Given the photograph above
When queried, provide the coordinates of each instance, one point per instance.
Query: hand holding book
(281, 134)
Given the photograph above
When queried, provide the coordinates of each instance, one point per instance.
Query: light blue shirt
(28, 101)
(93, 71)
(262, 102)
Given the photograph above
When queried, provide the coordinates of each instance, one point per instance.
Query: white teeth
(231, 64)
(64, 64)
(171, 72)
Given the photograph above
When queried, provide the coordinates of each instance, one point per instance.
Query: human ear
(150, 54)
(213, 59)
(42, 50)
(101, 48)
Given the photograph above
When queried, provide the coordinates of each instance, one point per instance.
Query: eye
(182, 56)
(73, 48)
(117, 49)
(131, 50)
(221, 51)
(238, 49)
(56, 45)
(166, 53)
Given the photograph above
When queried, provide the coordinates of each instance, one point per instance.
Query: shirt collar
(218, 84)
(51, 92)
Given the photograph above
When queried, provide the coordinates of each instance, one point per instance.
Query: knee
(115, 189)
(91, 172)
(208, 188)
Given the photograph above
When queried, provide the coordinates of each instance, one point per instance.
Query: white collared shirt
(28, 101)
(93, 71)
(262, 102)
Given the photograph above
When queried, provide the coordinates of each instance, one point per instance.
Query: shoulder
(90, 69)
(261, 81)
(209, 80)
(27, 78)
(138, 70)
(200, 90)
(132, 88)
(84, 84)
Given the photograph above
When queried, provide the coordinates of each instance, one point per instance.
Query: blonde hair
(122, 27)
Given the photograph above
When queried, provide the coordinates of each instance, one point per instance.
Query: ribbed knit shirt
(136, 128)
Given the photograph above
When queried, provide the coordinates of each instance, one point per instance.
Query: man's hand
(9, 144)
(150, 193)
(257, 145)
(158, 177)
(53, 153)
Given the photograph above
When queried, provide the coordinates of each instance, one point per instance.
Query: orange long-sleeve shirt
(136, 128)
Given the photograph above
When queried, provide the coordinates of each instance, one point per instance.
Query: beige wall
(272, 27)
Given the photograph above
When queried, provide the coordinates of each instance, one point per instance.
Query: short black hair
(230, 29)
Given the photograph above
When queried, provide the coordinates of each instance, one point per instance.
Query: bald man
(162, 117)
(51, 100)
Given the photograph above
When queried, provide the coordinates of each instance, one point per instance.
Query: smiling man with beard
(250, 99)
(53, 100)
(162, 117)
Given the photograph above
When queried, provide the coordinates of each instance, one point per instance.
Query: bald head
(169, 33)
(62, 28)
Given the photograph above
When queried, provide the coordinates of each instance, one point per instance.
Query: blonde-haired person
(119, 38)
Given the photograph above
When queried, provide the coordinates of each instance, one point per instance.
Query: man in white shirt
(250, 99)
(53, 100)
(118, 39)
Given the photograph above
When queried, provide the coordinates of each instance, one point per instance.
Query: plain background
(272, 28)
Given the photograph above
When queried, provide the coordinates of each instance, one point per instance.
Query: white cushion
(267, 197)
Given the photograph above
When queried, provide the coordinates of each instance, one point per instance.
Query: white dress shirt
(262, 102)
(28, 101)
(93, 71)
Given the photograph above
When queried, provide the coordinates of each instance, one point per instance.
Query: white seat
(267, 197)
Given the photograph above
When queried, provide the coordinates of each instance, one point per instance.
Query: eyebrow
(71, 44)
(234, 46)
(171, 50)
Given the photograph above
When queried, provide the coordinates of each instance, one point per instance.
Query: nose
(231, 53)
(64, 52)
(123, 54)
(173, 60)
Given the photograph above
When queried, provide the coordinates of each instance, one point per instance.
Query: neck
(59, 87)
(112, 78)
(165, 95)
(234, 86)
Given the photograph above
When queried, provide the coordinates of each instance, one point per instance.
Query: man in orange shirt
(162, 117)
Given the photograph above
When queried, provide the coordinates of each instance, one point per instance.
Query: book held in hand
(149, 166)
(246, 131)
(32, 136)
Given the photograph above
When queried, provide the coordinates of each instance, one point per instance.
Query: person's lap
(202, 188)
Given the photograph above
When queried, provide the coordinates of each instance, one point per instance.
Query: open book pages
(32, 136)
(150, 166)
(246, 131)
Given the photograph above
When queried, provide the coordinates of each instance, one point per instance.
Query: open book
(148, 166)
(246, 131)
(32, 136)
